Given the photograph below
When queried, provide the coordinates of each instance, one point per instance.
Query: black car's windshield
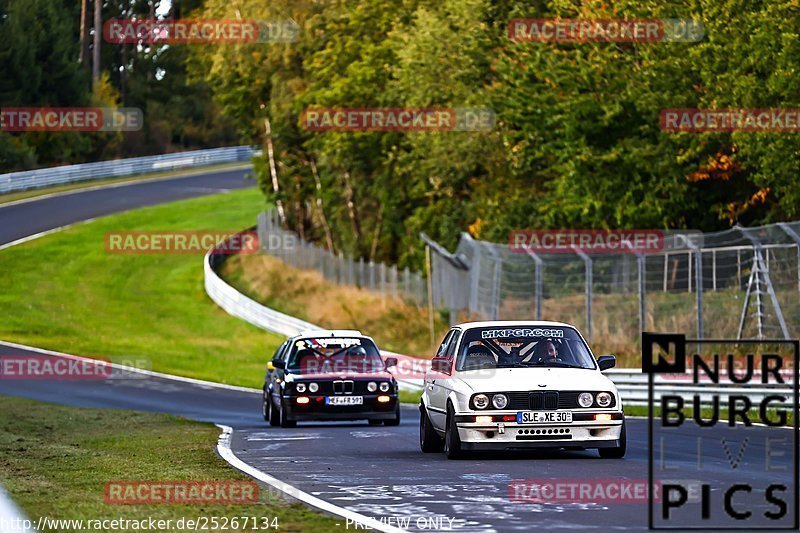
(333, 355)
(523, 346)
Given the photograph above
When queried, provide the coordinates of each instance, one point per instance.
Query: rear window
(523, 346)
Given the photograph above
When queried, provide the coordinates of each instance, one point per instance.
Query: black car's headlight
(384, 387)
(300, 387)
(313, 387)
(372, 386)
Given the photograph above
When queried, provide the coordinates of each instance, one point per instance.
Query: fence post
(497, 268)
(796, 238)
(713, 270)
(537, 281)
(407, 282)
(371, 275)
(351, 270)
(640, 258)
(587, 261)
(698, 282)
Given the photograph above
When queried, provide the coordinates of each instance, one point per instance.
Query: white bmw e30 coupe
(516, 385)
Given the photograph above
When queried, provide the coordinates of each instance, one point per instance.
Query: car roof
(330, 333)
(508, 323)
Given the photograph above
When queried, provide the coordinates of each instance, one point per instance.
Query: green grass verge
(64, 292)
(55, 462)
(22, 195)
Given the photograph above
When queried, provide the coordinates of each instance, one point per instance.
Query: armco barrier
(119, 168)
(237, 304)
(631, 383)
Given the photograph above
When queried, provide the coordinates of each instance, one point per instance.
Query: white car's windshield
(523, 346)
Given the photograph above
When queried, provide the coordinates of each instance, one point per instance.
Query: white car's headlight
(500, 401)
(384, 387)
(301, 387)
(372, 386)
(481, 401)
(604, 399)
(313, 387)
(585, 399)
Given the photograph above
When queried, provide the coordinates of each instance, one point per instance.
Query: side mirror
(270, 366)
(606, 361)
(440, 364)
(391, 361)
(276, 363)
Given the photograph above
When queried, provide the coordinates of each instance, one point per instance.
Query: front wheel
(452, 442)
(265, 407)
(286, 422)
(394, 421)
(429, 440)
(617, 452)
(274, 414)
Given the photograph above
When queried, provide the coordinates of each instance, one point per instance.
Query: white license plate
(344, 400)
(544, 417)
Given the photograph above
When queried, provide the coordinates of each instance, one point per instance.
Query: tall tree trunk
(86, 24)
(98, 35)
(273, 171)
(377, 234)
(321, 207)
(352, 208)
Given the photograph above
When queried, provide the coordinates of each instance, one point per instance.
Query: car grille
(545, 400)
(329, 387)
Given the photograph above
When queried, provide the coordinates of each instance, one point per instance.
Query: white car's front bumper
(510, 435)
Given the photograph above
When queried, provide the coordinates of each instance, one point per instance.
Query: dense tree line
(577, 141)
(47, 59)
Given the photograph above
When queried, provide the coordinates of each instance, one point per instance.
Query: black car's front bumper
(317, 409)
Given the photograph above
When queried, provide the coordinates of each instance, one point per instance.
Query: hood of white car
(531, 379)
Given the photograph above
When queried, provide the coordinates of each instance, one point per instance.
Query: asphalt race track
(378, 471)
(19, 220)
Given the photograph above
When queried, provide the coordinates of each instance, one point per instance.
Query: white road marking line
(224, 450)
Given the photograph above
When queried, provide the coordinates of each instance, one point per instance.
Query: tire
(274, 414)
(619, 451)
(285, 421)
(452, 442)
(265, 407)
(394, 421)
(375, 422)
(429, 440)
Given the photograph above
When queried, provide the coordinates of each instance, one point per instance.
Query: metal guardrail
(237, 304)
(631, 383)
(119, 168)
